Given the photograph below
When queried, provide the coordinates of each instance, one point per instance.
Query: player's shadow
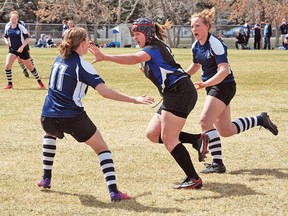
(224, 190)
(258, 174)
(131, 204)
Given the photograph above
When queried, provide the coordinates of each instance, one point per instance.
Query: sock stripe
(107, 166)
(106, 161)
(215, 146)
(109, 169)
(243, 124)
(35, 74)
(49, 146)
(53, 151)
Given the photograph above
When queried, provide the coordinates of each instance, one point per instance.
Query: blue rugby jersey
(162, 68)
(16, 35)
(68, 84)
(209, 55)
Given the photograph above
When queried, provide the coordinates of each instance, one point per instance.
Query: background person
(239, 40)
(267, 35)
(50, 41)
(16, 37)
(246, 30)
(70, 24)
(63, 112)
(41, 43)
(286, 42)
(257, 34)
(178, 92)
(283, 30)
(210, 54)
(20, 61)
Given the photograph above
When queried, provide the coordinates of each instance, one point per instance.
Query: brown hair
(206, 15)
(71, 41)
(161, 29)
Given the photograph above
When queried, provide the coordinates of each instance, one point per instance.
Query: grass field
(256, 182)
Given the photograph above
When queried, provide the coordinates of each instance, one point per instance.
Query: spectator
(64, 25)
(246, 29)
(239, 40)
(50, 41)
(257, 34)
(283, 30)
(267, 34)
(286, 42)
(42, 41)
(70, 24)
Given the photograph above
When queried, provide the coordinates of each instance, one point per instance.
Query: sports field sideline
(256, 181)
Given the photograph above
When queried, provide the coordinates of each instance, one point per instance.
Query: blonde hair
(71, 41)
(206, 15)
(14, 13)
(161, 29)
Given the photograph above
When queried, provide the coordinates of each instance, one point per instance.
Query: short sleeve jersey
(16, 35)
(162, 68)
(209, 56)
(68, 84)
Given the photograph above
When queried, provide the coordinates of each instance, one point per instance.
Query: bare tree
(274, 10)
(81, 11)
(9, 5)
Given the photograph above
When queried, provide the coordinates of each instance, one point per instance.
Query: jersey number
(56, 80)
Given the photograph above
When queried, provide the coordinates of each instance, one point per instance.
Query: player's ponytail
(206, 15)
(161, 29)
(71, 41)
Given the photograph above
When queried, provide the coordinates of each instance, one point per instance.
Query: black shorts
(80, 127)
(180, 98)
(24, 55)
(223, 91)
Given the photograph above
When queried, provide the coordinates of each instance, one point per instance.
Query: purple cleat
(45, 183)
(118, 196)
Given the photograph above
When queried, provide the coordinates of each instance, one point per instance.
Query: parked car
(232, 32)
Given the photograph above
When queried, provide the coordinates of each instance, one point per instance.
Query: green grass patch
(256, 182)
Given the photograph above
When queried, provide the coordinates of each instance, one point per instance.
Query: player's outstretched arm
(128, 59)
(112, 94)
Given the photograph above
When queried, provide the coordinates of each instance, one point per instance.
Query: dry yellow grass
(256, 182)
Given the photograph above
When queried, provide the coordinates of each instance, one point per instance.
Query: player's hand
(20, 50)
(199, 85)
(144, 100)
(96, 52)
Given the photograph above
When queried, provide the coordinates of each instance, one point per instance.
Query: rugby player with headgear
(176, 88)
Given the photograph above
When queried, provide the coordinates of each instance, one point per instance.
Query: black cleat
(189, 183)
(25, 72)
(214, 168)
(268, 124)
(201, 146)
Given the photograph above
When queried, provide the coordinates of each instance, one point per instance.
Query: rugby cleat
(214, 168)
(189, 183)
(115, 197)
(42, 86)
(45, 183)
(9, 86)
(268, 124)
(201, 146)
(25, 72)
